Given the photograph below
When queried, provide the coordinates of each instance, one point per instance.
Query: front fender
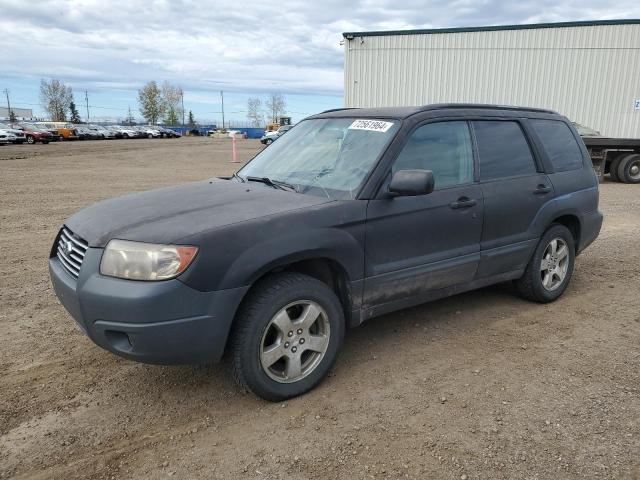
(331, 243)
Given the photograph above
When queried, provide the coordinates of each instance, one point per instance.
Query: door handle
(542, 189)
(463, 202)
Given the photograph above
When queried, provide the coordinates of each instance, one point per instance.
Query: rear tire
(286, 336)
(550, 269)
(629, 168)
(613, 167)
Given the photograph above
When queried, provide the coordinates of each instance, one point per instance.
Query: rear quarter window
(559, 144)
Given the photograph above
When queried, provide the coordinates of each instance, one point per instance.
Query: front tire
(31, 139)
(287, 336)
(550, 269)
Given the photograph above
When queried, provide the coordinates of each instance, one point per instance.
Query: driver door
(419, 244)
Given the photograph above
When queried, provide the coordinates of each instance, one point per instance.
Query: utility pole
(6, 92)
(182, 94)
(222, 97)
(86, 99)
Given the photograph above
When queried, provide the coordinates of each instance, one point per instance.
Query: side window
(559, 144)
(444, 148)
(503, 150)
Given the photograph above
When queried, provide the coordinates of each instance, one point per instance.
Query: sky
(244, 48)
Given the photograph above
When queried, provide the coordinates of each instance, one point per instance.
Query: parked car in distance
(55, 135)
(17, 133)
(167, 132)
(101, 132)
(65, 130)
(86, 133)
(6, 137)
(353, 214)
(269, 137)
(127, 131)
(147, 131)
(34, 134)
(114, 131)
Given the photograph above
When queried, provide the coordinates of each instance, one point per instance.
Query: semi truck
(618, 157)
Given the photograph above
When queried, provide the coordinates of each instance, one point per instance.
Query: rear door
(514, 188)
(418, 244)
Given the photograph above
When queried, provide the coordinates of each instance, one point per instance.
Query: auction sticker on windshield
(371, 125)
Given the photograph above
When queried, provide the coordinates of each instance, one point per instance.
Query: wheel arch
(328, 270)
(573, 223)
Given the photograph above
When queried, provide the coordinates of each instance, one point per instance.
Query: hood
(168, 214)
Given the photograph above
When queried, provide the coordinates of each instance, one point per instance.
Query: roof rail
(438, 106)
(338, 109)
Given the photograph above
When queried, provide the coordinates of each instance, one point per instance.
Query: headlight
(145, 261)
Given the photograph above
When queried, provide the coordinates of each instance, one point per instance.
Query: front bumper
(163, 322)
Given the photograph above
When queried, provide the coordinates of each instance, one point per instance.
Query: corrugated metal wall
(589, 73)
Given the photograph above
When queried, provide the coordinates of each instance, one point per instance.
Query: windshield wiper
(274, 183)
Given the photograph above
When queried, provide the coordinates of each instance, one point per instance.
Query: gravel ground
(481, 385)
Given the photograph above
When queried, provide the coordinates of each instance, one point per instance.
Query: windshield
(326, 157)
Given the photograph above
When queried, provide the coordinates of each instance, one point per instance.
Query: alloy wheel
(554, 264)
(295, 341)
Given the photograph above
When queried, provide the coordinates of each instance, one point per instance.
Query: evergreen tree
(75, 116)
(12, 117)
(192, 121)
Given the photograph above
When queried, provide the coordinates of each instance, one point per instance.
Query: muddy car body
(354, 213)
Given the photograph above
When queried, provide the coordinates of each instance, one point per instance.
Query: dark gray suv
(354, 213)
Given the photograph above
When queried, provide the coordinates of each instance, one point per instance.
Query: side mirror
(411, 183)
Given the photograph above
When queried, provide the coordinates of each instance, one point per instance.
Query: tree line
(275, 106)
(156, 103)
(163, 103)
(57, 99)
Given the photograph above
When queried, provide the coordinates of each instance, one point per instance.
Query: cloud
(291, 47)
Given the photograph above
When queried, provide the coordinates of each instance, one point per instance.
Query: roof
(493, 28)
(403, 112)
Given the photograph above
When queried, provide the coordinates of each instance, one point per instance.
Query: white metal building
(18, 112)
(588, 71)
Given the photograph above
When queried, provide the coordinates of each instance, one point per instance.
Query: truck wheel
(613, 167)
(549, 271)
(286, 336)
(629, 168)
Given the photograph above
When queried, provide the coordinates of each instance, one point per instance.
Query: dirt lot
(482, 385)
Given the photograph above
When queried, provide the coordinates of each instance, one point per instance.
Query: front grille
(70, 251)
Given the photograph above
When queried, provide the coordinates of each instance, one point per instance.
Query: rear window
(559, 144)
(503, 150)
